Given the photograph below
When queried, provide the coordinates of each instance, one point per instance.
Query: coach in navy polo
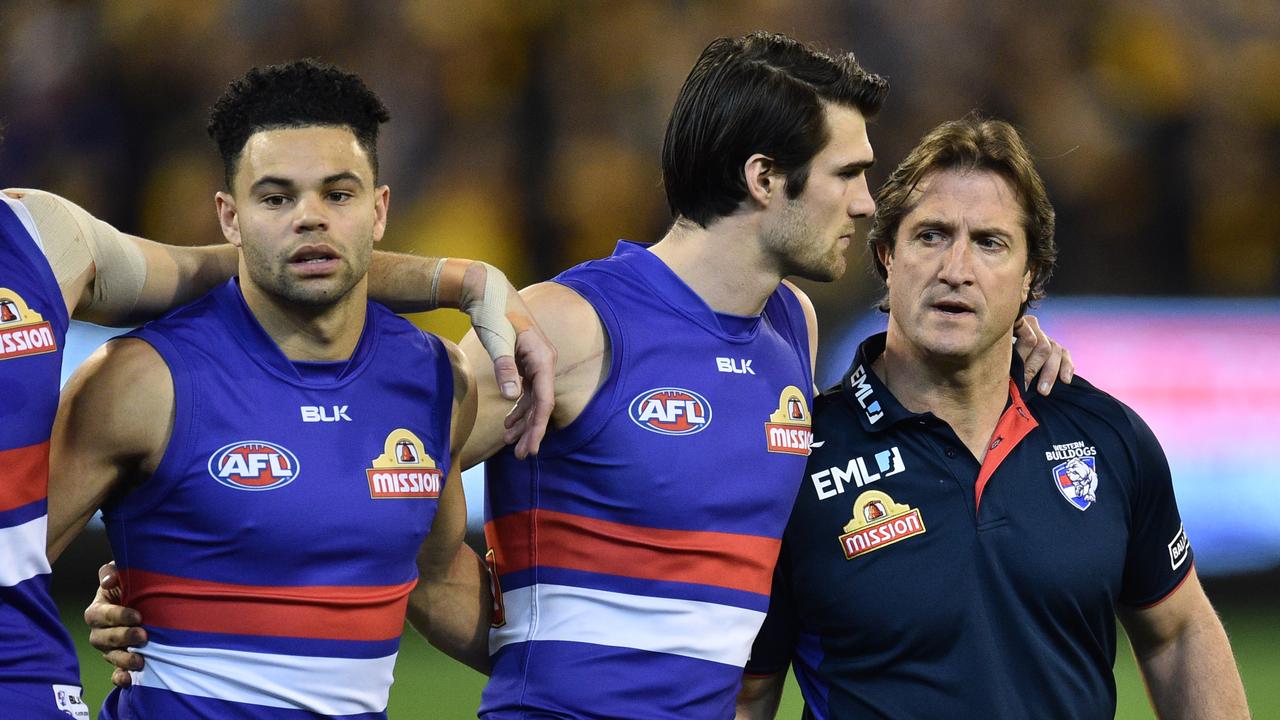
(960, 548)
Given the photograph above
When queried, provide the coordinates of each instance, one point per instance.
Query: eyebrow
(860, 165)
(937, 222)
(345, 175)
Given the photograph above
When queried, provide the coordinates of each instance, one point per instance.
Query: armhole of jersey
(797, 328)
(595, 415)
(154, 490)
(36, 257)
(444, 403)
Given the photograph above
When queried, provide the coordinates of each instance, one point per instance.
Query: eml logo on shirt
(23, 331)
(253, 465)
(788, 428)
(404, 469)
(862, 392)
(671, 411)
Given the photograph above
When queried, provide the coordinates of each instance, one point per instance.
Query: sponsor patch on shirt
(1179, 548)
(23, 331)
(878, 522)
(1077, 480)
(69, 701)
(788, 428)
(404, 469)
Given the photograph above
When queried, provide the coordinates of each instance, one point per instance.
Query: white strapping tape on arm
(73, 240)
(489, 317)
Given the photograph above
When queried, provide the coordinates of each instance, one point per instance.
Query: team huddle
(673, 515)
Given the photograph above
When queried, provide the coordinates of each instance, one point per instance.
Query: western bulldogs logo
(1077, 480)
(253, 465)
(671, 411)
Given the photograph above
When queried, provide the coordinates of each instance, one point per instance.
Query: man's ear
(381, 202)
(763, 181)
(884, 254)
(228, 217)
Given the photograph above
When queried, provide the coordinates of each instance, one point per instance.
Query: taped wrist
(489, 312)
(74, 240)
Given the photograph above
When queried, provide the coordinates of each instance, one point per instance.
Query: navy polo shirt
(916, 582)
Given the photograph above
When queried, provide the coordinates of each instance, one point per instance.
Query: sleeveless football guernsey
(272, 553)
(632, 556)
(37, 659)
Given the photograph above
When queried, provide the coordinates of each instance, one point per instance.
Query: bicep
(113, 423)
(1151, 628)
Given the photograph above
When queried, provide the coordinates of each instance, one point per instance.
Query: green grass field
(430, 686)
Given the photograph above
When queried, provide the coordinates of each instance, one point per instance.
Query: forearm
(760, 696)
(175, 276)
(415, 283)
(453, 611)
(1194, 675)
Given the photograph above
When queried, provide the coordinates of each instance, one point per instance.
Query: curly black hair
(301, 93)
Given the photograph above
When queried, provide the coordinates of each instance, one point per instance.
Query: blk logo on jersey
(671, 411)
(1077, 480)
(253, 465)
(23, 331)
(404, 469)
(788, 428)
(878, 522)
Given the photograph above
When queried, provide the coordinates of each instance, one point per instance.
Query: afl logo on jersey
(671, 411)
(253, 465)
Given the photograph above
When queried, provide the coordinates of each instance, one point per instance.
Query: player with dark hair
(306, 222)
(961, 548)
(59, 261)
(631, 559)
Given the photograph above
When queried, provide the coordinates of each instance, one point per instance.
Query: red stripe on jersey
(740, 562)
(328, 612)
(24, 475)
(1015, 424)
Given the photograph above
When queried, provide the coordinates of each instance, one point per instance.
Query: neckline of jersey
(263, 350)
(676, 294)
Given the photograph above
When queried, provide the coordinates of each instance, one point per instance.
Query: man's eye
(340, 196)
(930, 236)
(274, 200)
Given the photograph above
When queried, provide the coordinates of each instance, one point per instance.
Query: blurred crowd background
(527, 132)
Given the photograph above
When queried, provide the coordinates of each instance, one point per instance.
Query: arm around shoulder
(582, 363)
(451, 602)
(111, 430)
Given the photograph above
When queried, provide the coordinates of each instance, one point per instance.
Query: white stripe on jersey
(690, 628)
(22, 554)
(328, 686)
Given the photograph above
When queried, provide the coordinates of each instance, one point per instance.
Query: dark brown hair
(760, 93)
(972, 143)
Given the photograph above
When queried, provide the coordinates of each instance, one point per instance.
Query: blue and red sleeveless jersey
(34, 647)
(633, 555)
(272, 552)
